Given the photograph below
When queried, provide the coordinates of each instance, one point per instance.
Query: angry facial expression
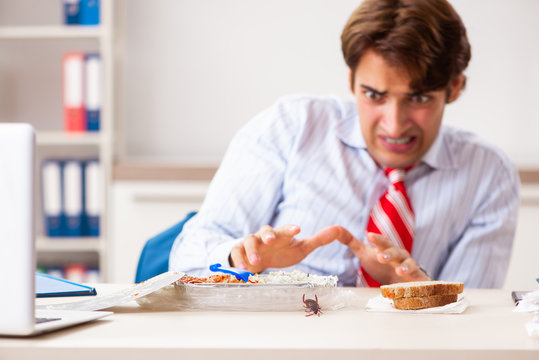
(399, 125)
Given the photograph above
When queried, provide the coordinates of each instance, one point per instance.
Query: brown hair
(426, 37)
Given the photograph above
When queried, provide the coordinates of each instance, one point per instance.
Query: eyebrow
(411, 93)
(373, 90)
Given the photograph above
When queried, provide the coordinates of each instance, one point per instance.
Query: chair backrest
(156, 252)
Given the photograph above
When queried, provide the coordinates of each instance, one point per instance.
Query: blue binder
(93, 91)
(71, 12)
(50, 286)
(92, 197)
(89, 12)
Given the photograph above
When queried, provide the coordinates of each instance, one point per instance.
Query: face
(398, 124)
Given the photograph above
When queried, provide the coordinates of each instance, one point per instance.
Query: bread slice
(416, 303)
(421, 289)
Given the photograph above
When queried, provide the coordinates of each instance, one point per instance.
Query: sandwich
(422, 294)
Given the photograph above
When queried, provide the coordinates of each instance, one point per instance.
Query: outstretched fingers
(267, 234)
(251, 246)
(238, 256)
(332, 233)
(408, 269)
(404, 266)
(286, 233)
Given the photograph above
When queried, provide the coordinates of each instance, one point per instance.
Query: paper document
(50, 286)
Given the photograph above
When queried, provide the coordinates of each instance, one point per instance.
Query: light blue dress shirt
(303, 161)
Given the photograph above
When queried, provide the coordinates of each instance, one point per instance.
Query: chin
(396, 163)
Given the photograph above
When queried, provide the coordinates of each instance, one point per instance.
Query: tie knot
(395, 175)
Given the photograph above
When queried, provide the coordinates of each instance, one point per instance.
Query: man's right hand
(273, 248)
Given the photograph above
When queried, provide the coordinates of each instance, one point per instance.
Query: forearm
(242, 196)
(197, 248)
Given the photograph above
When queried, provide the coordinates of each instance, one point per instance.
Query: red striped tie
(393, 217)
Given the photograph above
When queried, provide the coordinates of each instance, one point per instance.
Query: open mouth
(399, 141)
(401, 144)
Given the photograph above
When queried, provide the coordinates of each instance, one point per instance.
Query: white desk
(487, 330)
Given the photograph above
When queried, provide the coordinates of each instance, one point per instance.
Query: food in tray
(277, 291)
(213, 279)
(276, 277)
(422, 294)
(295, 277)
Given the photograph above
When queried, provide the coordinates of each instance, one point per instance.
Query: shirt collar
(439, 155)
(348, 130)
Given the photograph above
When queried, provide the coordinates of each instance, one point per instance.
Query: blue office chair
(156, 252)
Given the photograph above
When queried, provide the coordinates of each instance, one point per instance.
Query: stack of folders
(81, 87)
(81, 12)
(71, 197)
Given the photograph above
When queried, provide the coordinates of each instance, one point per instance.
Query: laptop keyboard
(40, 320)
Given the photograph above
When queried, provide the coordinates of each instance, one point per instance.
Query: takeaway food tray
(241, 297)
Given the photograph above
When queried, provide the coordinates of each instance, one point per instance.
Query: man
(304, 183)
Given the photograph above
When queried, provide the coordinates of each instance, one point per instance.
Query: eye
(372, 95)
(420, 98)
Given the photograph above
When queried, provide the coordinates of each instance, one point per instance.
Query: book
(50, 286)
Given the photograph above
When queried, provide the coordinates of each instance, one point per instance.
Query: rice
(294, 277)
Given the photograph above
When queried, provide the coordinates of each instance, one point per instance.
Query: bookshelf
(33, 44)
(80, 244)
(50, 32)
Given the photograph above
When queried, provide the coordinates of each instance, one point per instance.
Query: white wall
(502, 99)
(194, 71)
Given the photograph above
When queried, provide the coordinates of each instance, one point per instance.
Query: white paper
(529, 303)
(532, 326)
(382, 304)
(119, 297)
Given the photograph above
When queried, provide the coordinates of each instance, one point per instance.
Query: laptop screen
(17, 259)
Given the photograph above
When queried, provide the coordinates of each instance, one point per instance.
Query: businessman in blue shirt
(299, 183)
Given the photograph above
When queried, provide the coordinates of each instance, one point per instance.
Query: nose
(394, 118)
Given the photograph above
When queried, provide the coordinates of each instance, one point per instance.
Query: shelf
(65, 138)
(40, 84)
(66, 244)
(50, 32)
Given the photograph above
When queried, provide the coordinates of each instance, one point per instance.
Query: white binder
(72, 172)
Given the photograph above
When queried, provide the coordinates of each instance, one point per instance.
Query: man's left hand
(405, 268)
(384, 262)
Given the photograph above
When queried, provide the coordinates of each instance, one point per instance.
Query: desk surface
(488, 329)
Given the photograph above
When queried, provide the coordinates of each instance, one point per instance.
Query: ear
(351, 80)
(455, 87)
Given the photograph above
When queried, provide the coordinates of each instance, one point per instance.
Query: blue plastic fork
(238, 273)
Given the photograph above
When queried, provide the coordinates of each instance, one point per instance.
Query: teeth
(400, 141)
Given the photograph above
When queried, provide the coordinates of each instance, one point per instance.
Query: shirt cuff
(221, 252)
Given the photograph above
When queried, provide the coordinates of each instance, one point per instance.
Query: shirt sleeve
(244, 193)
(481, 256)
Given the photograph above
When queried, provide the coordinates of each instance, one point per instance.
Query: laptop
(18, 316)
